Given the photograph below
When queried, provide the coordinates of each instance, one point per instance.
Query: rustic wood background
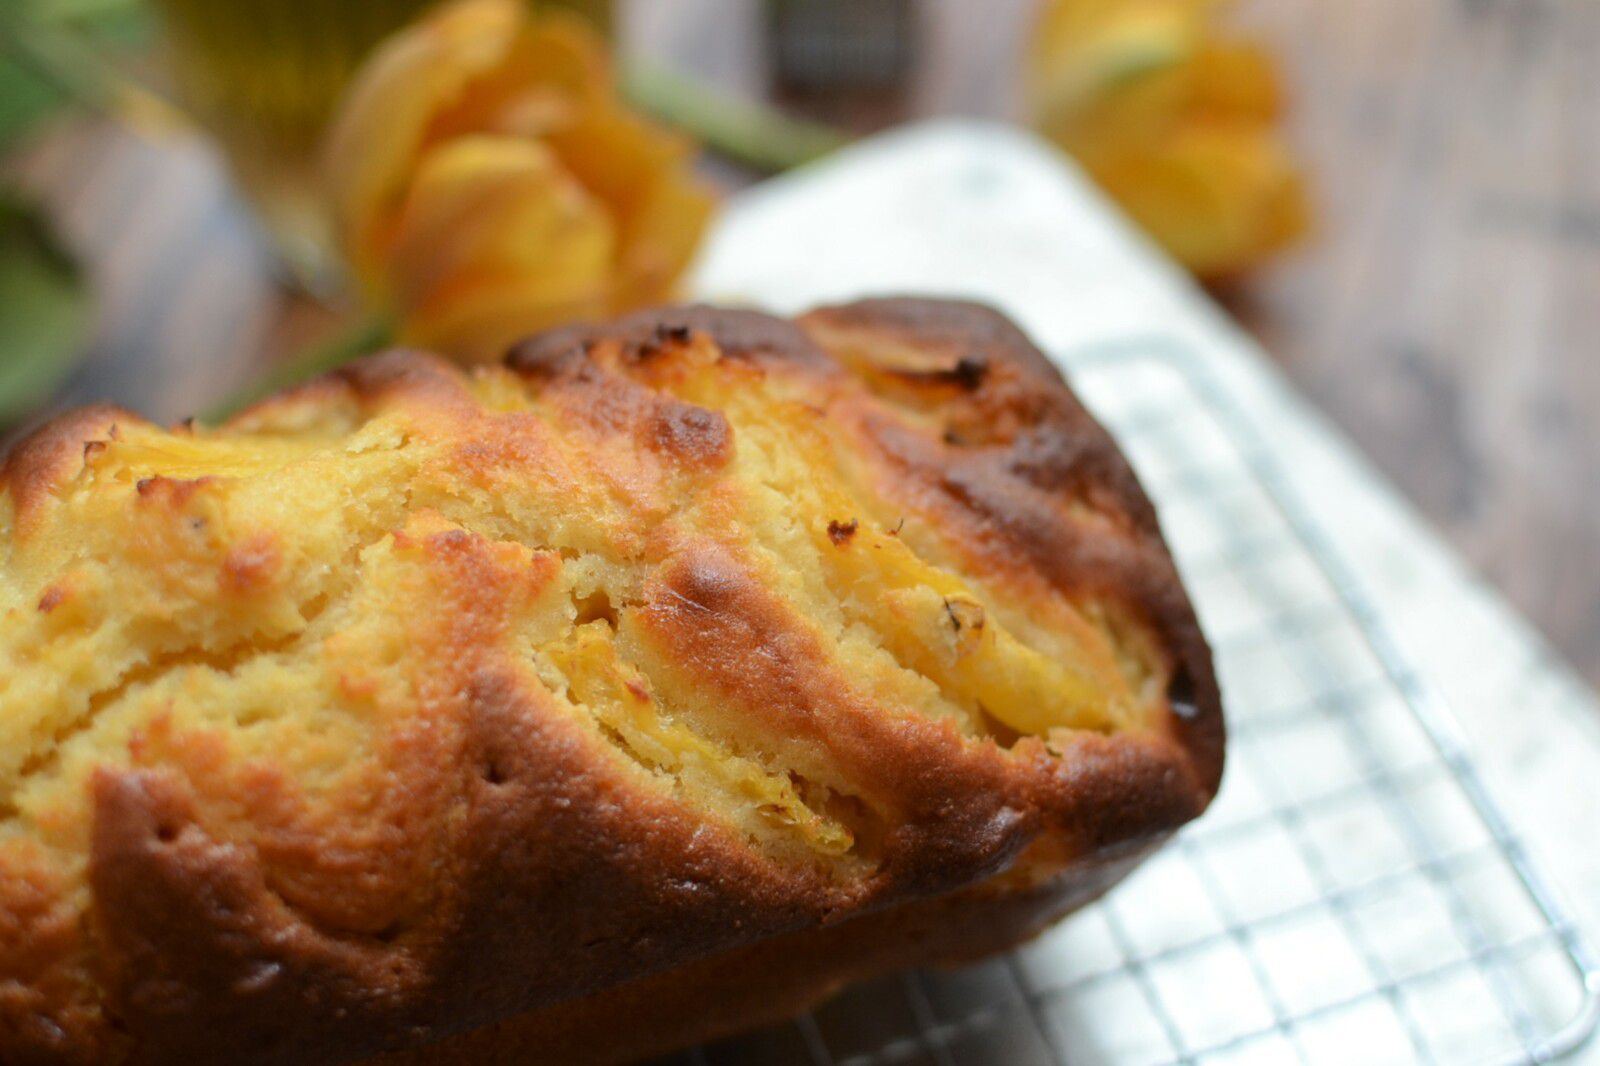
(1446, 314)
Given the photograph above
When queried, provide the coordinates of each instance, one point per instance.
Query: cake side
(411, 701)
(770, 981)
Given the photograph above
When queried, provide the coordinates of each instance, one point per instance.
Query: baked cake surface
(678, 670)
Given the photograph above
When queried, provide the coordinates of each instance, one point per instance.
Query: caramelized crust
(683, 668)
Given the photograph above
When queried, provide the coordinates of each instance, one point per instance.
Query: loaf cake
(648, 686)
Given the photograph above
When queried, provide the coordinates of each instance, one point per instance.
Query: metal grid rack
(1353, 895)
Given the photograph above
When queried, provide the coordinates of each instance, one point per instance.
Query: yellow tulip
(1177, 124)
(487, 182)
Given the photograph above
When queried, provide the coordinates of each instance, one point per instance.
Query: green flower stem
(64, 58)
(747, 132)
(362, 336)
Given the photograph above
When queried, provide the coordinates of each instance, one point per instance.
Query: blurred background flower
(1176, 120)
(486, 181)
(456, 175)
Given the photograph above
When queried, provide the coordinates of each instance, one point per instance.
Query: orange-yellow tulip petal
(1082, 52)
(636, 169)
(486, 216)
(488, 181)
(375, 139)
(481, 324)
(1214, 196)
(569, 72)
(1176, 122)
(663, 233)
(1236, 79)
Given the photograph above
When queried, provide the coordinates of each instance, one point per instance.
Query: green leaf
(56, 52)
(24, 99)
(44, 310)
(64, 10)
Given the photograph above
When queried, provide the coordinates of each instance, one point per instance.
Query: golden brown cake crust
(491, 854)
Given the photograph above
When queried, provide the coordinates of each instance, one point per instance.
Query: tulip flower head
(487, 182)
(1178, 123)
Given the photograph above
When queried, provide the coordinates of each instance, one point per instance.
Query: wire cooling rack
(1354, 895)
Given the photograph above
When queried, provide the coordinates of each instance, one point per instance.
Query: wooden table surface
(1446, 314)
